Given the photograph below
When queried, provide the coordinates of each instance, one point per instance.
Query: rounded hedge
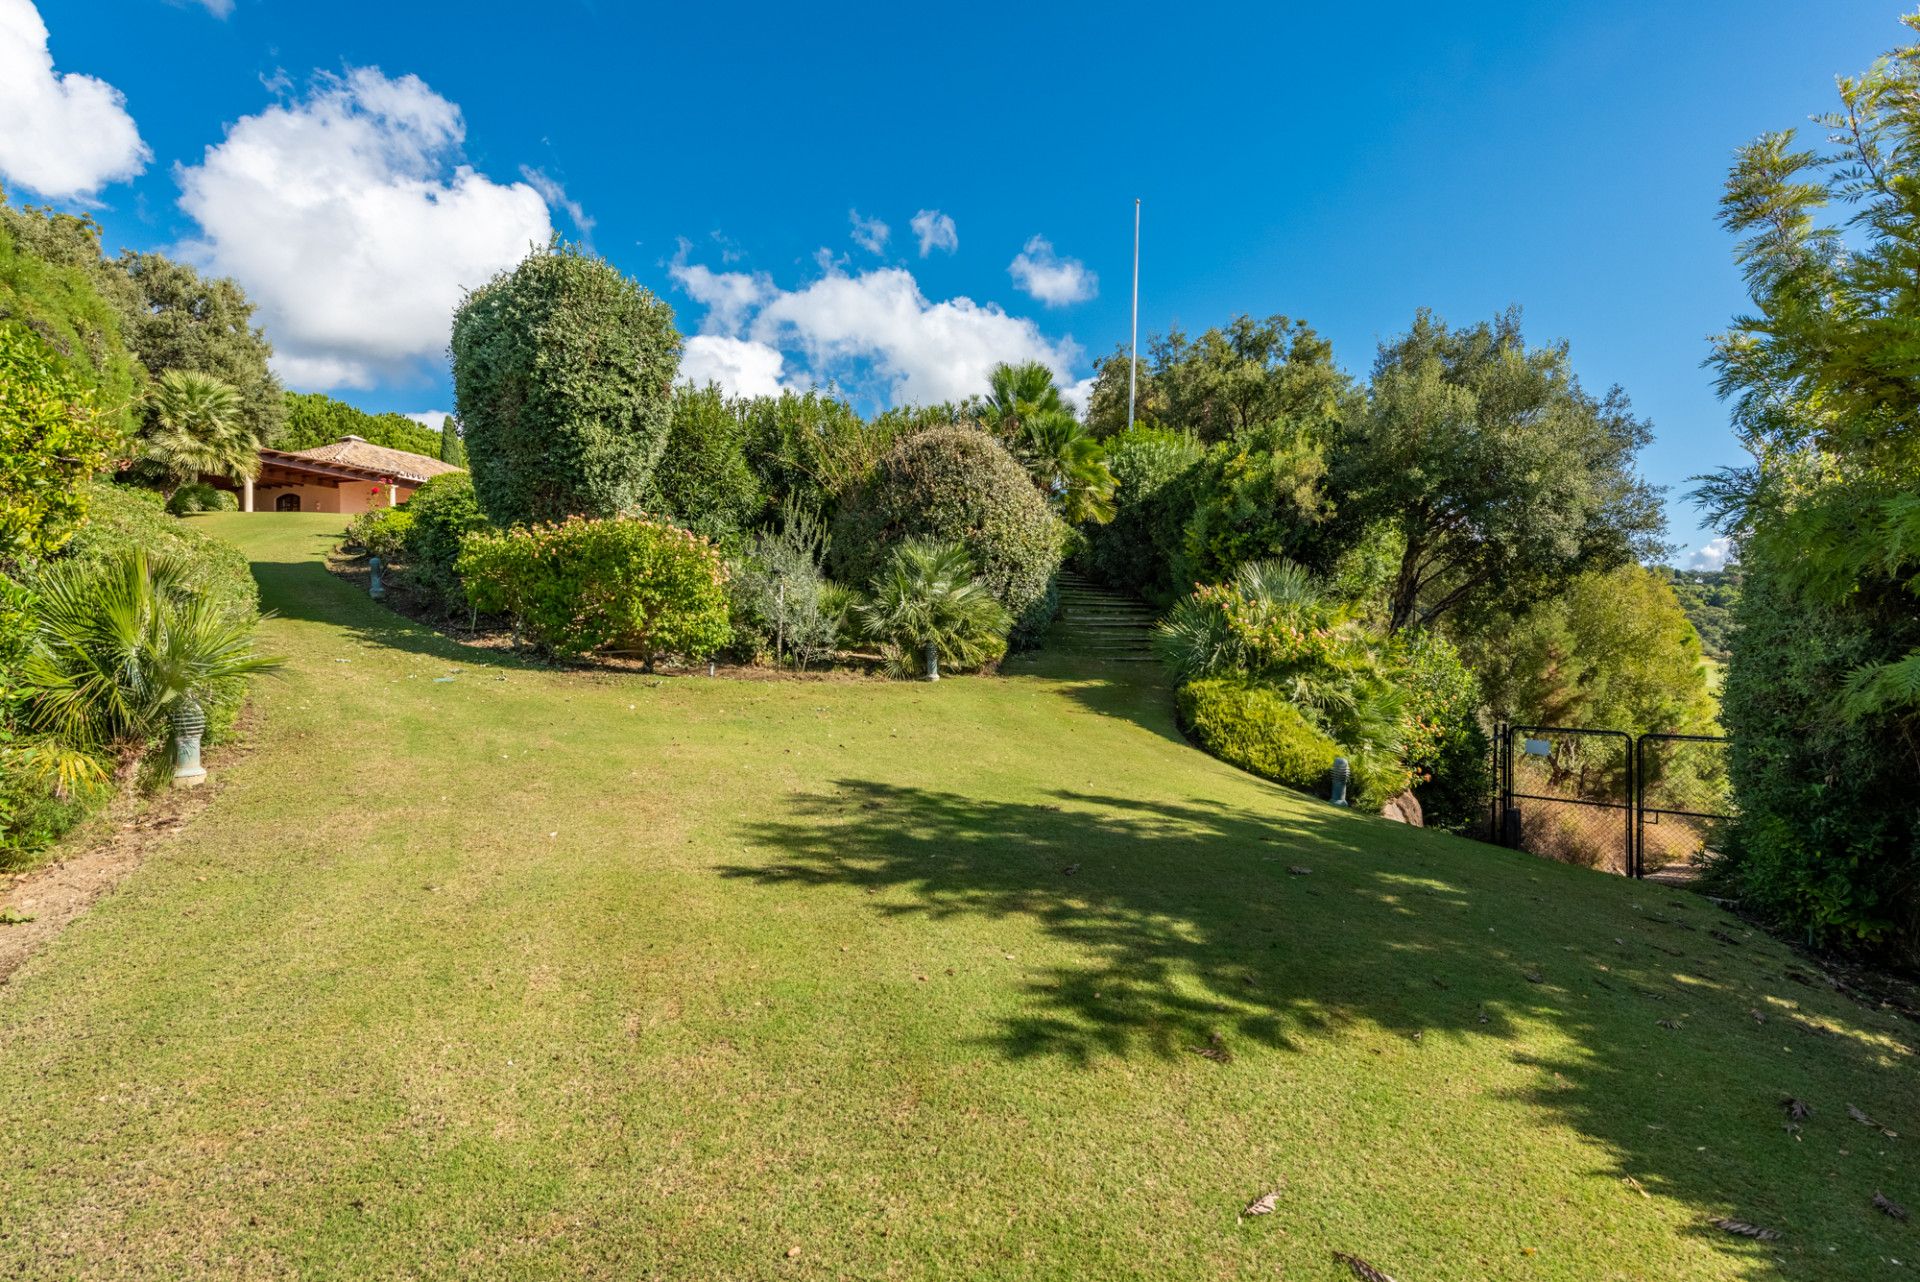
(1251, 725)
(956, 484)
(443, 512)
(563, 374)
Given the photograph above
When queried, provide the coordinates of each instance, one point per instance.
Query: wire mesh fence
(1567, 794)
(1683, 801)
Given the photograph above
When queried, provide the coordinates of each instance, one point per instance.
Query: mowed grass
(534, 973)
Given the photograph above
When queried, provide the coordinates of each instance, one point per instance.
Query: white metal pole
(1133, 360)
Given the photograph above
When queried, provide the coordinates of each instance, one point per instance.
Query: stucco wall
(349, 498)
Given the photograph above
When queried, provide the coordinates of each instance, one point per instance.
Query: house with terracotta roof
(350, 476)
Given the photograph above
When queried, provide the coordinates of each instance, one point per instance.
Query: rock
(1405, 809)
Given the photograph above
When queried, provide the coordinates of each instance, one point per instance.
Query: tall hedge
(58, 301)
(563, 372)
(957, 484)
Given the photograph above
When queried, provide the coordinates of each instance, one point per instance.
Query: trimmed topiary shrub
(957, 484)
(443, 511)
(1251, 726)
(563, 371)
(703, 481)
(198, 496)
(626, 585)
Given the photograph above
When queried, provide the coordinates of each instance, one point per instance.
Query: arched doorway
(287, 503)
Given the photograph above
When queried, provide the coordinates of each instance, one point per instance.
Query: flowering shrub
(624, 584)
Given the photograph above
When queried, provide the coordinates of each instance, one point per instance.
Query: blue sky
(356, 164)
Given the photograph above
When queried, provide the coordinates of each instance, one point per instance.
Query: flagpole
(1133, 360)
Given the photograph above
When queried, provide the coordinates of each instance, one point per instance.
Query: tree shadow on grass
(1187, 921)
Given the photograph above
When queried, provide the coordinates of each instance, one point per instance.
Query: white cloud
(1715, 554)
(435, 419)
(740, 366)
(936, 231)
(869, 233)
(1078, 395)
(218, 8)
(555, 195)
(1053, 280)
(729, 297)
(63, 135)
(351, 224)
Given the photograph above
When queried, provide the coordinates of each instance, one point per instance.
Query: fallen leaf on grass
(1887, 1206)
(1740, 1228)
(1264, 1204)
(1535, 977)
(1070, 869)
(1724, 937)
(1361, 1269)
(1865, 1120)
(1215, 1049)
(1297, 871)
(1635, 1186)
(1668, 1023)
(1759, 1016)
(1797, 1109)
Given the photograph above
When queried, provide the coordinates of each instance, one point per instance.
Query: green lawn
(551, 974)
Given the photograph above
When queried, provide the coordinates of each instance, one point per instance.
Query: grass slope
(538, 974)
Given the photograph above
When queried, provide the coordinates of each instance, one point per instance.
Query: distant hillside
(1708, 597)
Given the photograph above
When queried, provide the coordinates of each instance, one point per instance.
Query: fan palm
(927, 596)
(120, 647)
(1016, 391)
(1068, 465)
(198, 429)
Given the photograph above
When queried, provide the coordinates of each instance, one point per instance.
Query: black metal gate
(1607, 800)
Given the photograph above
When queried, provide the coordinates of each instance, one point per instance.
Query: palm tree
(199, 430)
(927, 596)
(120, 647)
(1025, 410)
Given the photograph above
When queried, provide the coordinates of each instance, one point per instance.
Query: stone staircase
(1098, 622)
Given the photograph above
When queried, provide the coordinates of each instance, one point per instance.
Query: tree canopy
(1500, 476)
(316, 419)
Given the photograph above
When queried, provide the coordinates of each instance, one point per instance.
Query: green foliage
(703, 480)
(627, 585)
(1150, 510)
(956, 484)
(1253, 497)
(928, 595)
(175, 319)
(1251, 725)
(563, 372)
(200, 497)
(1828, 838)
(47, 286)
(1227, 381)
(1710, 598)
(119, 645)
(52, 440)
(314, 419)
(195, 427)
(453, 450)
(1502, 476)
(809, 448)
(382, 532)
(1027, 413)
(1447, 749)
(779, 596)
(1614, 650)
(440, 515)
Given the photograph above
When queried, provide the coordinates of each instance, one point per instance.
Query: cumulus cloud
(1053, 280)
(869, 233)
(874, 331)
(740, 366)
(435, 419)
(64, 136)
(1715, 554)
(936, 231)
(350, 221)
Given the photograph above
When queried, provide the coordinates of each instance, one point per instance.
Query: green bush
(1447, 750)
(928, 596)
(625, 585)
(443, 512)
(382, 532)
(807, 448)
(780, 602)
(52, 440)
(48, 263)
(1252, 726)
(957, 484)
(563, 372)
(198, 496)
(703, 481)
(1130, 551)
(1253, 497)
